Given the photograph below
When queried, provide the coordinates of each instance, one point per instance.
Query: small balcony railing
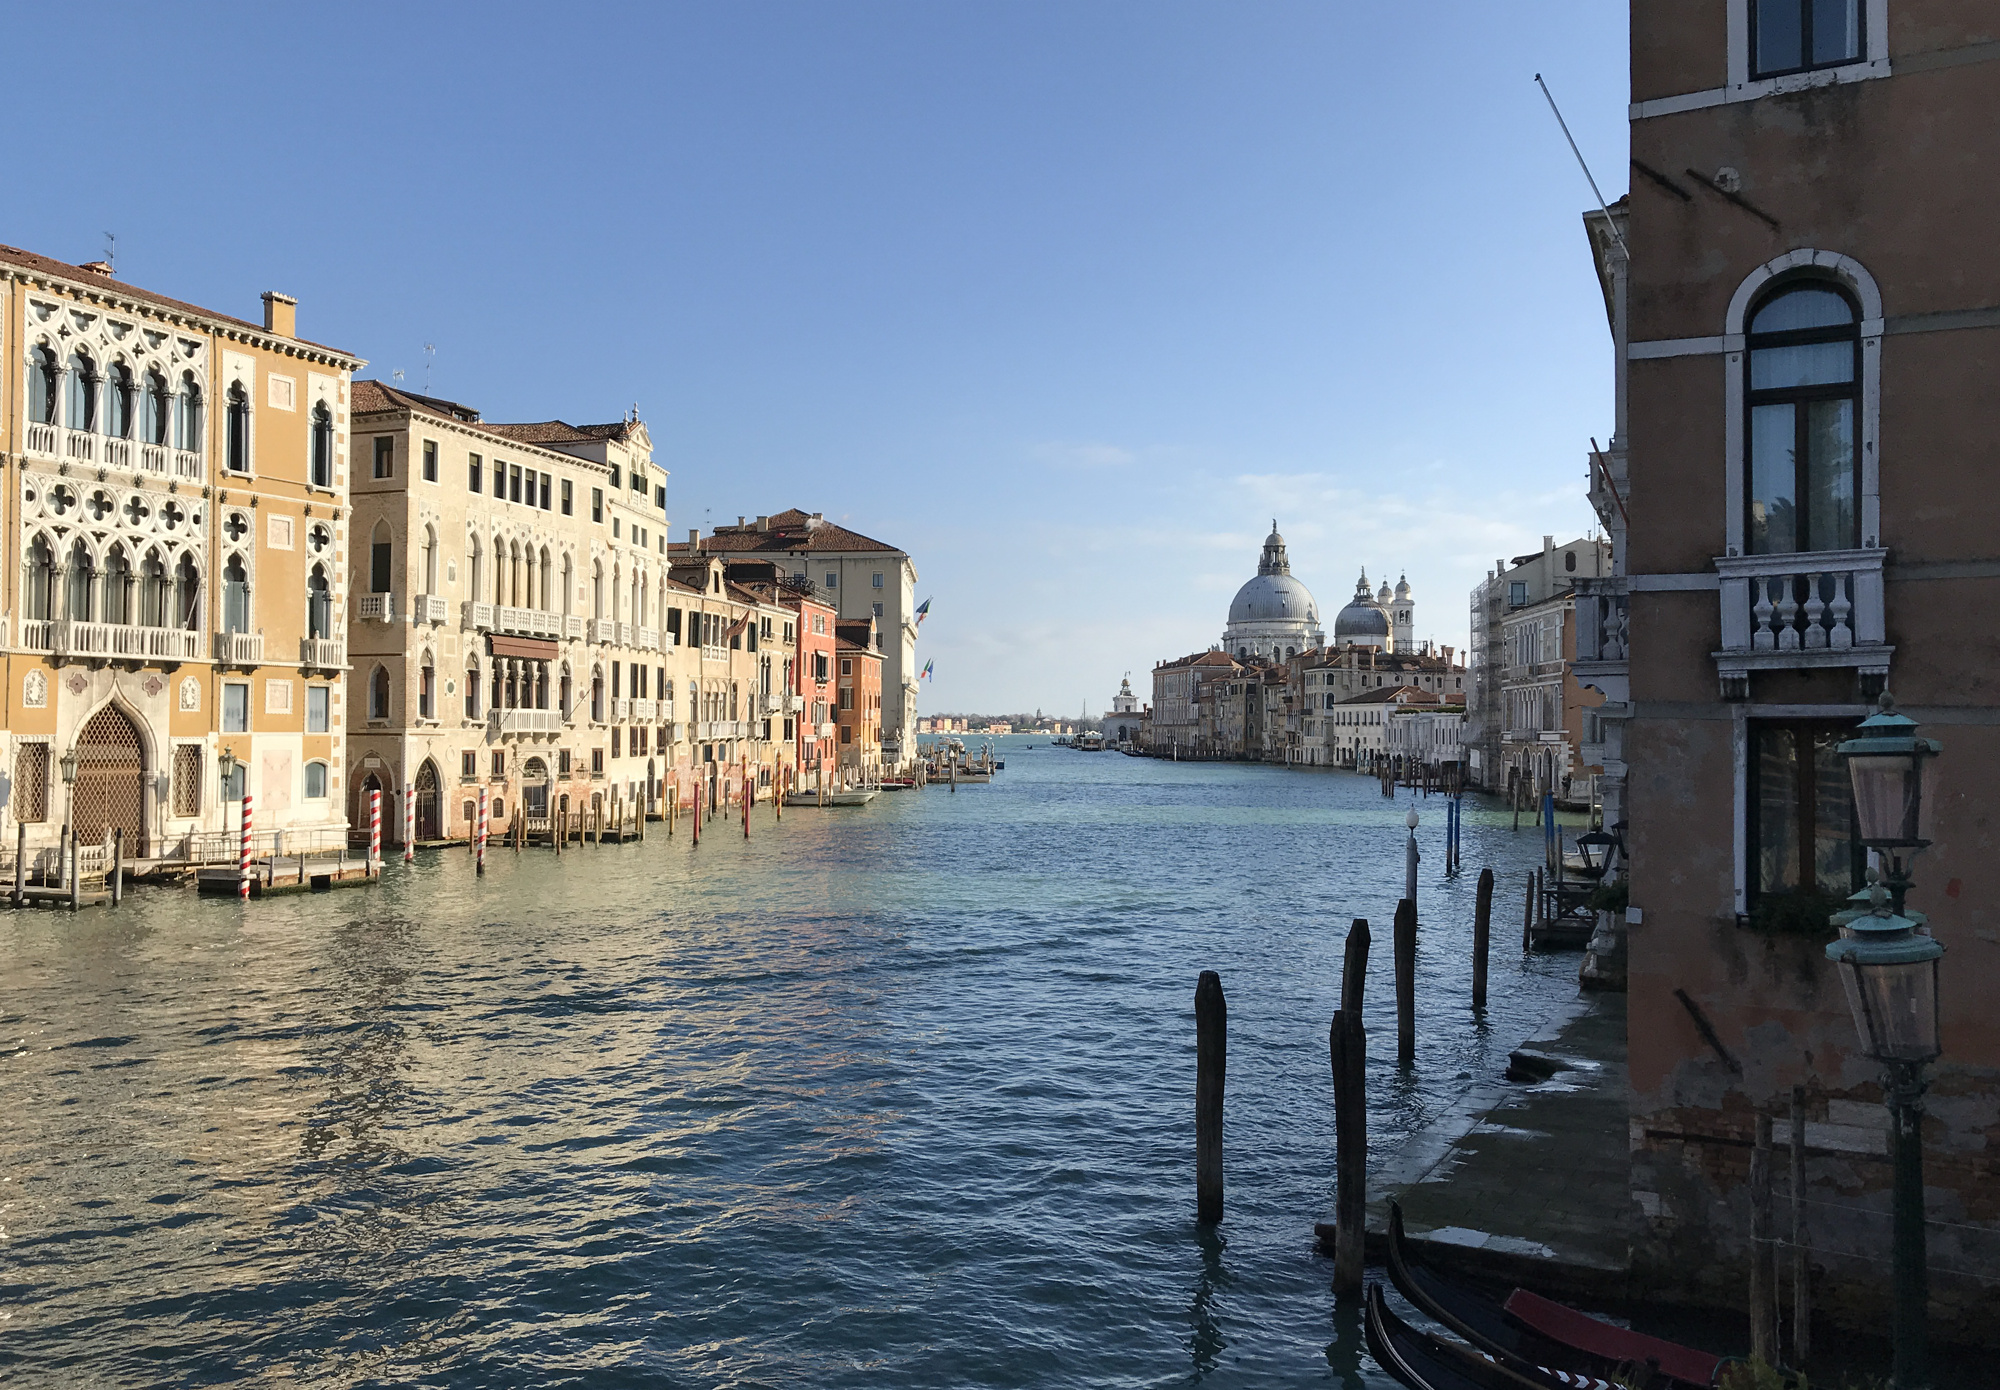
(323, 653)
(649, 639)
(644, 711)
(825, 730)
(512, 722)
(773, 704)
(1818, 608)
(475, 617)
(118, 453)
(528, 622)
(80, 446)
(43, 439)
(117, 641)
(573, 629)
(429, 608)
(377, 608)
(1603, 620)
(675, 732)
(239, 648)
(621, 709)
(624, 634)
(603, 631)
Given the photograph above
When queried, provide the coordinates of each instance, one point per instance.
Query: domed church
(1273, 616)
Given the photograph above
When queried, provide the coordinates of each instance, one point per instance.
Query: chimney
(99, 268)
(281, 314)
(763, 523)
(739, 523)
(694, 538)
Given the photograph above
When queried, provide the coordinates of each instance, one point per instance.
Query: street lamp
(225, 764)
(67, 762)
(1595, 846)
(1889, 966)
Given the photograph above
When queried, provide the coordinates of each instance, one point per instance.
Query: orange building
(858, 700)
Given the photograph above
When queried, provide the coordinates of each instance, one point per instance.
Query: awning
(533, 648)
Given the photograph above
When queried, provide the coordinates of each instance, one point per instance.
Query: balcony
(511, 723)
(649, 639)
(1603, 647)
(42, 439)
(824, 730)
(1800, 611)
(621, 709)
(624, 634)
(111, 641)
(323, 653)
(794, 703)
(475, 617)
(428, 608)
(573, 629)
(773, 704)
(378, 608)
(603, 631)
(645, 711)
(239, 648)
(527, 622)
(163, 462)
(675, 732)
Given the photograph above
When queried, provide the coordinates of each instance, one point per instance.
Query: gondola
(1424, 1362)
(1530, 1334)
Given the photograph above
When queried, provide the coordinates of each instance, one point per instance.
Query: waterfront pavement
(1529, 1177)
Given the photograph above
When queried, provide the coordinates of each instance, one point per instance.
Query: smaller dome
(1403, 588)
(1364, 620)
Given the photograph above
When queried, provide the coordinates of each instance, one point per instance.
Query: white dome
(1274, 598)
(1273, 615)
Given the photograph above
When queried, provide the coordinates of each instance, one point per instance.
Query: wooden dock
(295, 874)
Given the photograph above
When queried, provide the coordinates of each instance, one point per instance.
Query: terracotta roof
(791, 530)
(1404, 694)
(862, 647)
(560, 431)
(48, 265)
(371, 397)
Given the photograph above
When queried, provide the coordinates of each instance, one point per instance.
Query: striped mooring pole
(479, 835)
(409, 822)
(374, 831)
(243, 852)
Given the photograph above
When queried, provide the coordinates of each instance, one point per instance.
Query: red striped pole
(243, 855)
(374, 831)
(697, 813)
(749, 795)
(479, 835)
(409, 822)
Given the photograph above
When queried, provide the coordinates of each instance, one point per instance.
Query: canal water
(890, 1096)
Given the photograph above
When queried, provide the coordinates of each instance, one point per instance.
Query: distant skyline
(1067, 301)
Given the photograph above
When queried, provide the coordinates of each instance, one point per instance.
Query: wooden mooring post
(1406, 982)
(118, 866)
(1801, 1266)
(1528, 915)
(1211, 1046)
(1763, 1250)
(1348, 1045)
(1482, 936)
(20, 863)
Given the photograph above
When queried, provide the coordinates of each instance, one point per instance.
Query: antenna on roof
(430, 353)
(111, 250)
(396, 375)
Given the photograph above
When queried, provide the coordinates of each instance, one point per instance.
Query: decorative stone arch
(1803, 264)
(115, 754)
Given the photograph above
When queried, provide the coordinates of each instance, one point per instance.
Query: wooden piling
(1801, 1265)
(1528, 915)
(76, 883)
(1763, 1252)
(673, 808)
(20, 863)
(118, 866)
(1348, 1045)
(1406, 982)
(1482, 936)
(1211, 1029)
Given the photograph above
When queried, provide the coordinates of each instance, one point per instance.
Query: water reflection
(894, 1096)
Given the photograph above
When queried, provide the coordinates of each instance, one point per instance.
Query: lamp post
(225, 764)
(1888, 965)
(67, 763)
(1595, 846)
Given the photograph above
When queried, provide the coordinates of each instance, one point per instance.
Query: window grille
(187, 779)
(31, 782)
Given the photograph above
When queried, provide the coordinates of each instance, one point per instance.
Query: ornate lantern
(1889, 765)
(1890, 972)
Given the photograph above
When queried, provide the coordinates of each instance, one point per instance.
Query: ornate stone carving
(35, 690)
(190, 693)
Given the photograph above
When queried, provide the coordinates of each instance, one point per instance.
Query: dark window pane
(1830, 515)
(1835, 851)
(378, 567)
(1773, 519)
(1780, 36)
(1836, 31)
(1775, 768)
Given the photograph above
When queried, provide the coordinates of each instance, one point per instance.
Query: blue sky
(1068, 300)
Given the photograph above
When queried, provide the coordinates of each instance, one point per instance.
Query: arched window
(78, 583)
(155, 406)
(378, 693)
(597, 694)
(187, 594)
(473, 571)
(315, 780)
(235, 596)
(239, 429)
(80, 403)
(499, 572)
(153, 605)
(427, 689)
(319, 603)
(568, 585)
(117, 586)
(38, 588)
(541, 685)
(514, 576)
(430, 560)
(1803, 463)
(381, 559)
(42, 376)
(322, 446)
(544, 602)
(118, 393)
(187, 415)
(596, 589)
(565, 694)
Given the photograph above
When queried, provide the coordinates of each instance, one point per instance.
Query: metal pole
(1911, 1279)
(374, 831)
(409, 822)
(243, 850)
(479, 835)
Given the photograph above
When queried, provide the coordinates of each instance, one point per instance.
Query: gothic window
(39, 580)
(153, 608)
(541, 685)
(187, 594)
(319, 603)
(596, 589)
(118, 394)
(80, 395)
(1803, 465)
(235, 596)
(239, 429)
(546, 605)
(499, 572)
(187, 415)
(378, 693)
(427, 689)
(322, 446)
(155, 406)
(597, 694)
(473, 569)
(42, 377)
(78, 585)
(471, 692)
(381, 560)
(117, 600)
(430, 561)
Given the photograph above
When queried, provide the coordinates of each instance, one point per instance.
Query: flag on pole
(925, 674)
(923, 611)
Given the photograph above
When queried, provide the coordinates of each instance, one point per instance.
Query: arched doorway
(359, 822)
(110, 780)
(427, 802)
(535, 789)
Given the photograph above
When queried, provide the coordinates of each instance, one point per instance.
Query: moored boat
(1424, 1362)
